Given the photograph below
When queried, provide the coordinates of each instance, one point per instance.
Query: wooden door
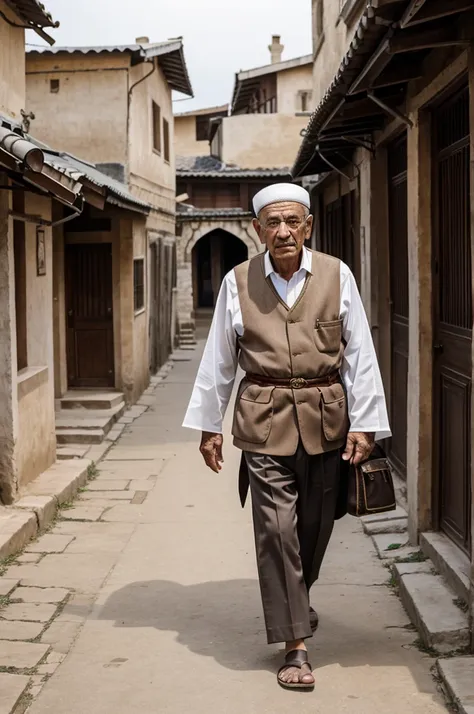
(154, 304)
(90, 337)
(398, 242)
(453, 317)
(338, 239)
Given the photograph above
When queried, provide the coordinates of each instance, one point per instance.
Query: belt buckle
(298, 382)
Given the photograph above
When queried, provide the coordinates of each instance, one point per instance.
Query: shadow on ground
(223, 620)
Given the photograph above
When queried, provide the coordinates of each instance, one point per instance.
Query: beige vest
(278, 342)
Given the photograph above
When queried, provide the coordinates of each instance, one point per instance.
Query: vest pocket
(328, 336)
(253, 414)
(334, 413)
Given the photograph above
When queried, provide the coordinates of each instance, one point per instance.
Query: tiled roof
(32, 11)
(170, 54)
(191, 213)
(210, 167)
(25, 159)
(60, 173)
(116, 192)
(224, 108)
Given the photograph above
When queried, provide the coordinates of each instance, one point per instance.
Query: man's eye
(273, 224)
(293, 223)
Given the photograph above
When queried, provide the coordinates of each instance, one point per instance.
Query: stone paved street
(143, 597)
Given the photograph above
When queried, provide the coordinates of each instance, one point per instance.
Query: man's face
(283, 228)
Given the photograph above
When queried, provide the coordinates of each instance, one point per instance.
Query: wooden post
(8, 359)
(471, 127)
(420, 363)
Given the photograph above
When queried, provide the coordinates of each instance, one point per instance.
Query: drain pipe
(135, 84)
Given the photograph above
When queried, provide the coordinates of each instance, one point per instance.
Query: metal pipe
(37, 220)
(142, 79)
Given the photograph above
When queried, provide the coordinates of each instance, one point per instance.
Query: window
(19, 250)
(138, 284)
(166, 140)
(156, 127)
(202, 128)
(304, 100)
(54, 86)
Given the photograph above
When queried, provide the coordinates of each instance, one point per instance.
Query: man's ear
(258, 229)
(309, 226)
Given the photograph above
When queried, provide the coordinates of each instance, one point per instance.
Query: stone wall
(191, 233)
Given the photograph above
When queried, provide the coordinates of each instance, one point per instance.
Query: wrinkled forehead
(283, 208)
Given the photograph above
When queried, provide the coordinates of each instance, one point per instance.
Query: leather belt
(293, 382)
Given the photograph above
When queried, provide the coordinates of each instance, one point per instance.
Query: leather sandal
(296, 658)
(313, 619)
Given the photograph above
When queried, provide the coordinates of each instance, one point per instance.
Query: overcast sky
(221, 37)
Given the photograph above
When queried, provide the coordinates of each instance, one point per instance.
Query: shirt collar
(306, 262)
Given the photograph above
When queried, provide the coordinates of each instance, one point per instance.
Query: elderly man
(312, 393)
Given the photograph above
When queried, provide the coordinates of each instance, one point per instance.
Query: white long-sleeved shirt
(359, 370)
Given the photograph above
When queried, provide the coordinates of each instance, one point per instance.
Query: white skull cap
(280, 192)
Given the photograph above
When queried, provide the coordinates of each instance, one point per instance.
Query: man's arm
(215, 379)
(361, 375)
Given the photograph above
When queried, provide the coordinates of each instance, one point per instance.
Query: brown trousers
(294, 504)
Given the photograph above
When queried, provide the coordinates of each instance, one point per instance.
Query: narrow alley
(145, 596)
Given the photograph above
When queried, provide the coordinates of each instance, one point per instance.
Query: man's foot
(313, 619)
(296, 673)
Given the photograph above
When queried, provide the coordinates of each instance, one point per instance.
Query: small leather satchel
(371, 487)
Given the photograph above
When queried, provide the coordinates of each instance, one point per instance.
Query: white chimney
(276, 49)
(142, 41)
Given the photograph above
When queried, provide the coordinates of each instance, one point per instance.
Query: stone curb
(23, 520)
(457, 675)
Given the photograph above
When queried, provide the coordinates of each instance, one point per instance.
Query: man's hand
(359, 446)
(211, 449)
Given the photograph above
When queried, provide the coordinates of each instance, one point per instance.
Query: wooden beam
(440, 8)
(373, 68)
(397, 75)
(361, 109)
(413, 8)
(412, 40)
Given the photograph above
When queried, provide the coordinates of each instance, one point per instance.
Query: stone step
(80, 436)
(70, 452)
(91, 400)
(457, 675)
(448, 560)
(393, 546)
(430, 604)
(88, 418)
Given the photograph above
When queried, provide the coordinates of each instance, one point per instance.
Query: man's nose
(283, 231)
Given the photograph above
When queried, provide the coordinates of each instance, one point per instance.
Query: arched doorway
(213, 256)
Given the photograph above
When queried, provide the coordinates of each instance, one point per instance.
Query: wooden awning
(387, 52)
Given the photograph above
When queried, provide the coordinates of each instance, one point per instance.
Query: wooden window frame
(139, 285)
(157, 137)
(166, 141)
(202, 128)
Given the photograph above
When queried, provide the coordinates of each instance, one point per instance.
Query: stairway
(84, 418)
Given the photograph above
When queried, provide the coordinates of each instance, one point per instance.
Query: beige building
(74, 311)
(113, 107)
(191, 130)
(269, 110)
(388, 157)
